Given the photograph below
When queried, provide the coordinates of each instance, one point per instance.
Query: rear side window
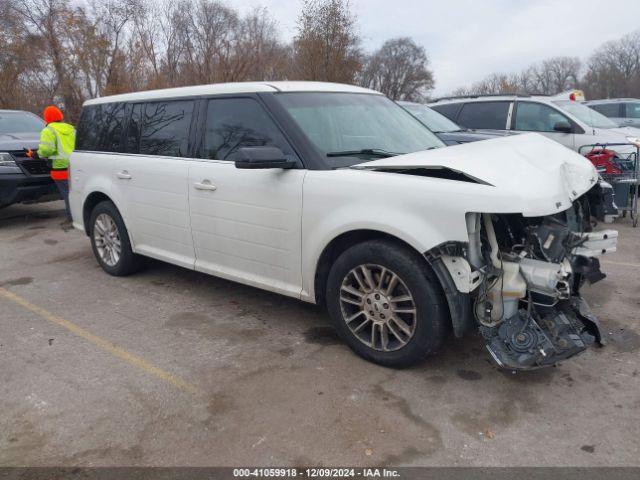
(100, 127)
(633, 110)
(484, 115)
(449, 110)
(233, 123)
(610, 110)
(537, 117)
(165, 128)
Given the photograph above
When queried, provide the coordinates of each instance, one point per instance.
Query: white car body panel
(528, 174)
(246, 224)
(155, 203)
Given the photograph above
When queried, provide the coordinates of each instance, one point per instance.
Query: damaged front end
(518, 279)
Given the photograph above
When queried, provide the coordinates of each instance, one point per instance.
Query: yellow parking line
(607, 262)
(105, 345)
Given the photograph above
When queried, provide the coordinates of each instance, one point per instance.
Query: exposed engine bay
(520, 278)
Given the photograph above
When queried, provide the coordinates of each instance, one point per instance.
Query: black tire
(128, 262)
(431, 317)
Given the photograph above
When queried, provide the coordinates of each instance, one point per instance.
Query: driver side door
(245, 223)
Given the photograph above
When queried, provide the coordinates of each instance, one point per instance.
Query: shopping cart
(620, 170)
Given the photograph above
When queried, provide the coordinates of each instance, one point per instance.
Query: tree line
(613, 70)
(72, 50)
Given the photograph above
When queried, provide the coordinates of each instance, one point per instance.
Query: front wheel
(110, 241)
(386, 303)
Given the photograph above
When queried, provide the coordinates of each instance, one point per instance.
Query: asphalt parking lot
(173, 367)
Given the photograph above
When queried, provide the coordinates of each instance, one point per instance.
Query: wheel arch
(93, 199)
(344, 241)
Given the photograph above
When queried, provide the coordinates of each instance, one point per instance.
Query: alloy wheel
(378, 307)
(107, 239)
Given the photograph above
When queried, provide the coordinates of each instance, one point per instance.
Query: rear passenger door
(542, 118)
(246, 224)
(489, 115)
(151, 178)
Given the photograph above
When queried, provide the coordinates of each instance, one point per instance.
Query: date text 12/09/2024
(316, 472)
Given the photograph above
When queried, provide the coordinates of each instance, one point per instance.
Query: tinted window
(112, 127)
(633, 110)
(132, 139)
(607, 109)
(449, 110)
(233, 123)
(537, 117)
(100, 127)
(165, 129)
(487, 115)
(88, 131)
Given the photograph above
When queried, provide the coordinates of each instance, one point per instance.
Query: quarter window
(233, 123)
(165, 129)
(484, 115)
(100, 127)
(537, 117)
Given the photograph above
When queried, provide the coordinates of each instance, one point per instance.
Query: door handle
(204, 185)
(124, 175)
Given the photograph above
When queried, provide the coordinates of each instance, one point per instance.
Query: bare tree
(399, 69)
(614, 69)
(326, 47)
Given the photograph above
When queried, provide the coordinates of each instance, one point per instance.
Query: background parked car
(624, 111)
(449, 132)
(22, 178)
(569, 122)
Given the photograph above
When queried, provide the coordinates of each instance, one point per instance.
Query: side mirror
(262, 157)
(563, 127)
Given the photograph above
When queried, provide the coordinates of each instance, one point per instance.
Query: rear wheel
(386, 304)
(110, 241)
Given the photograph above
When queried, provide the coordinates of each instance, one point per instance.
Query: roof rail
(480, 95)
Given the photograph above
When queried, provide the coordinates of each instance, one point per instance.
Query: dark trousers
(63, 188)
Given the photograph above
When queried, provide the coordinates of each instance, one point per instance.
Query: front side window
(537, 117)
(449, 110)
(585, 114)
(633, 110)
(165, 128)
(610, 110)
(356, 122)
(233, 123)
(485, 115)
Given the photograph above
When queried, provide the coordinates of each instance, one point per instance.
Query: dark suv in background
(22, 179)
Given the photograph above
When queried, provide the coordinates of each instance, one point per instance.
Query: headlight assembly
(8, 164)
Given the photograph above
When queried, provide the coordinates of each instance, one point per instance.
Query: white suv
(566, 121)
(335, 195)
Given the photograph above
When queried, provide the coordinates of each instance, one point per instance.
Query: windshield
(351, 128)
(586, 114)
(434, 121)
(19, 122)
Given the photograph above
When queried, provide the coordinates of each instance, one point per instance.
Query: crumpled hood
(534, 175)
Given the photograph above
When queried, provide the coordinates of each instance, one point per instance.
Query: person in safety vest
(57, 141)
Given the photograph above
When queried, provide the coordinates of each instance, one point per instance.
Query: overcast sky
(467, 40)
